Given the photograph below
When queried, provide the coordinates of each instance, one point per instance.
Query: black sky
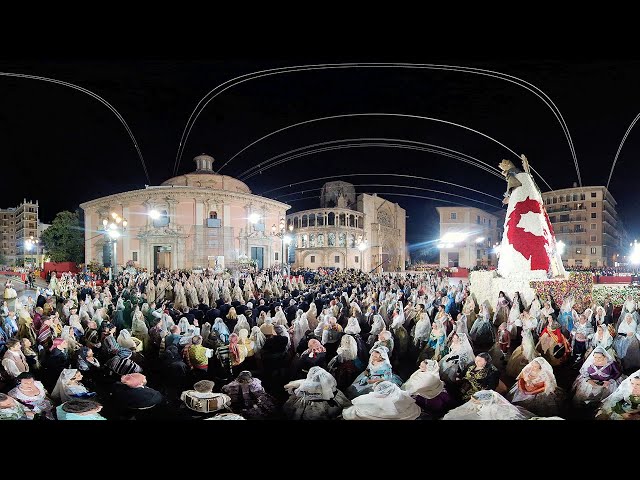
(63, 147)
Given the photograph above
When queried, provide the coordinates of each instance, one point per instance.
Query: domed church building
(197, 220)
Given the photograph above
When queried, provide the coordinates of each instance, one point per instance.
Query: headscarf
(622, 393)
(314, 348)
(488, 405)
(233, 347)
(426, 384)
(584, 370)
(220, 327)
(258, 338)
(63, 391)
(546, 374)
(319, 384)
(183, 324)
(378, 324)
(126, 340)
(384, 353)
(386, 402)
(133, 380)
(353, 326)
(241, 323)
(348, 348)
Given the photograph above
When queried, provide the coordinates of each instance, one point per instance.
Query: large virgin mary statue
(528, 241)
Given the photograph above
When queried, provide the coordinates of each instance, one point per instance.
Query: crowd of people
(347, 345)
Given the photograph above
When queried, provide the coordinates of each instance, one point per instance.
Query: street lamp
(114, 229)
(280, 232)
(362, 246)
(31, 243)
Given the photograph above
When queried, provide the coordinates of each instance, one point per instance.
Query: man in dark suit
(290, 311)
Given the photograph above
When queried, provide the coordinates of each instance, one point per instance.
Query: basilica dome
(205, 177)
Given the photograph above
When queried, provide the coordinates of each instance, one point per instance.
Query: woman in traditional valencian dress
(427, 389)
(488, 405)
(599, 377)
(503, 307)
(522, 355)
(536, 389)
(481, 375)
(378, 370)
(33, 395)
(602, 338)
(565, 319)
(629, 306)
(626, 343)
(514, 322)
(544, 314)
(469, 310)
(386, 402)
(482, 333)
(315, 398)
(436, 345)
(553, 345)
(624, 403)
(460, 356)
(581, 336)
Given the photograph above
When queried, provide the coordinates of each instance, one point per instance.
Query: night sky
(64, 148)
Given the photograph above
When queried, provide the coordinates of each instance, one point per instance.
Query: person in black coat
(211, 315)
(130, 393)
(54, 363)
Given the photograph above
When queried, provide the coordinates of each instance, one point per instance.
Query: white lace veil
(546, 373)
(385, 402)
(353, 326)
(398, 321)
(59, 391)
(528, 345)
(126, 340)
(622, 392)
(589, 361)
(348, 348)
(487, 405)
(606, 341)
(384, 353)
(378, 324)
(319, 384)
(183, 324)
(241, 323)
(258, 338)
(422, 329)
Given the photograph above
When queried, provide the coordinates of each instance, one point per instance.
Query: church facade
(363, 232)
(197, 220)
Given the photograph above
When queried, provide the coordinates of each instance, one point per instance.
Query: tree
(64, 239)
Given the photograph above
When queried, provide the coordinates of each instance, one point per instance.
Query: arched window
(312, 220)
(342, 219)
(352, 221)
(320, 241)
(342, 239)
(331, 218)
(213, 215)
(304, 241)
(352, 241)
(296, 223)
(305, 221)
(162, 220)
(312, 240)
(320, 220)
(561, 199)
(332, 239)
